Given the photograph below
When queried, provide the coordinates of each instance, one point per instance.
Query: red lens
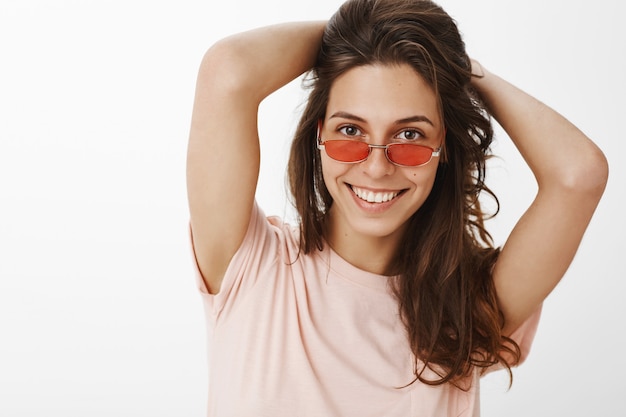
(347, 150)
(403, 154)
(408, 154)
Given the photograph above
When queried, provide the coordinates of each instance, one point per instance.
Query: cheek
(423, 181)
(331, 170)
(425, 175)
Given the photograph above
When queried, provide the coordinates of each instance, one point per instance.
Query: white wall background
(99, 315)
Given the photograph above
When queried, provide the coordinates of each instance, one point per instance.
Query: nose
(377, 165)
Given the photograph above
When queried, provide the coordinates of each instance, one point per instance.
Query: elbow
(587, 177)
(224, 66)
(595, 174)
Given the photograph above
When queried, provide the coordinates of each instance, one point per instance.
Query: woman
(388, 299)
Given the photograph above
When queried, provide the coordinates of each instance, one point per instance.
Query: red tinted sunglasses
(353, 151)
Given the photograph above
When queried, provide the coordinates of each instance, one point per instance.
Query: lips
(374, 196)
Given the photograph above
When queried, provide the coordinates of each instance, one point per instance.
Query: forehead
(381, 93)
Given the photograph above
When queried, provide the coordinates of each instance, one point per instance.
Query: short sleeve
(525, 334)
(257, 252)
(524, 337)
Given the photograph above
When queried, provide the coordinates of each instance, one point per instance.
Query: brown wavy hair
(445, 290)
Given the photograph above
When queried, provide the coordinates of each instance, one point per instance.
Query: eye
(350, 130)
(409, 134)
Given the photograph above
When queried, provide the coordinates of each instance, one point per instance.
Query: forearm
(260, 61)
(557, 152)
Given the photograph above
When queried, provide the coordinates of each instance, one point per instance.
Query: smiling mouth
(374, 197)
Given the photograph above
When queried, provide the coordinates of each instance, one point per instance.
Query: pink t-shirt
(311, 335)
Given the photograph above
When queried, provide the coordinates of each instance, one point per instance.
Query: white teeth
(372, 197)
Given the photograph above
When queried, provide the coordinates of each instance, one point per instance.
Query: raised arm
(571, 174)
(236, 74)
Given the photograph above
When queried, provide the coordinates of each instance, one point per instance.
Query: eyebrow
(411, 119)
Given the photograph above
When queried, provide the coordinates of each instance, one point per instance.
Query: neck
(370, 253)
